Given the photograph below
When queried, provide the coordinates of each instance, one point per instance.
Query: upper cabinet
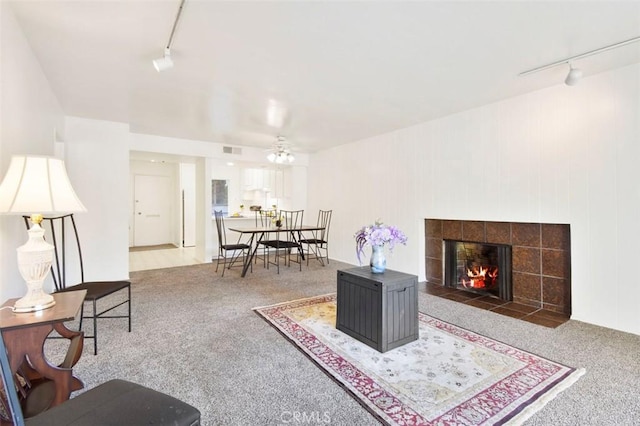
(252, 179)
(264, 179)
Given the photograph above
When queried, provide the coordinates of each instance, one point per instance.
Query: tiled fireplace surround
(541, 256)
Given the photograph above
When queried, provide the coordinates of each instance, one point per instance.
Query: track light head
(573, 77)
(165, 62)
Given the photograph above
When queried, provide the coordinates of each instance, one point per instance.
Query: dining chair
(231, 252)
(60, 228)
(283, 247)
(264, 220)
(319, 241)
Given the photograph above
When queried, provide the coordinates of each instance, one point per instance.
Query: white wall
(97, 159)
(30, 116)
(559, 155)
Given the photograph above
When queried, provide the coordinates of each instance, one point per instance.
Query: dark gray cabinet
(380, 310)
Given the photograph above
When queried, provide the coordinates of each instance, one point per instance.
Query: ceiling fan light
(163, 63)
(280, 153)
(573, 77)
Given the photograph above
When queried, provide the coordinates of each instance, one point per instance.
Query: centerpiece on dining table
(377, 236)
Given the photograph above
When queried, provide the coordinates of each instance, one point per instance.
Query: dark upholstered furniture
(119, 402)
(116, 402)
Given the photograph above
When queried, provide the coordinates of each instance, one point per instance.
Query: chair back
(324, 221)
(62, 232)
(222, 235)
(9, 386)
(265, 217)
(292, 219)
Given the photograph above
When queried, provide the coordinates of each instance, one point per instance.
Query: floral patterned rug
(449, 376)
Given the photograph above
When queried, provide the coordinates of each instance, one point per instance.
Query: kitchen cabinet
(255, 179)
(263, 179)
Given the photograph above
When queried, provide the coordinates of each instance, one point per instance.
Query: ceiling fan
(281, 151)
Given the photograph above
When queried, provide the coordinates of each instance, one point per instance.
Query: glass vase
(378, 262)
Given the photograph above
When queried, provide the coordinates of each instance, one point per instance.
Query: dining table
(257, 234)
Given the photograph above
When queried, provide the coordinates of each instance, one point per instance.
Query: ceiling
(319, 73)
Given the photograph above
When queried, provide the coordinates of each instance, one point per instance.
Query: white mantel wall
(559, 155)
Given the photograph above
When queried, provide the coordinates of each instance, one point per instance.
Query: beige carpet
(196, 337)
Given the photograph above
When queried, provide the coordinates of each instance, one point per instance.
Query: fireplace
(478, 267)
(540, 257)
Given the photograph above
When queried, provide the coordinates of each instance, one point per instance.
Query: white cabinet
(278, 183)
(264, 180)
(286, 183)
(273, 181)
(254, 179)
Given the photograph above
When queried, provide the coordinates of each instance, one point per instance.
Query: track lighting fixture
(575, 74)
(573, 77)
(166, 62)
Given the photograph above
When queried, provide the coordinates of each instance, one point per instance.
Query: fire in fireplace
(478, 267)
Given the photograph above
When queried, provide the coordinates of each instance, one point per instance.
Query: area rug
(449, 376)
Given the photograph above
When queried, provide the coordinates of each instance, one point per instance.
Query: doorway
(152, 210)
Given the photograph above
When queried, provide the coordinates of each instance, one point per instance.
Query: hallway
(154, 258)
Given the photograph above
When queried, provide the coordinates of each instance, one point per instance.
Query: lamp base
(34, 263)
(31, 303)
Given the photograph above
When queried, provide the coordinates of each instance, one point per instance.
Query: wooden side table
(379, 310)
(25, 334)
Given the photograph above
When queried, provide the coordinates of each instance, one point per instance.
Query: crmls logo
(302, 417)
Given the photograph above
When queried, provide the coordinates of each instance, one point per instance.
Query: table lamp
(36, 185)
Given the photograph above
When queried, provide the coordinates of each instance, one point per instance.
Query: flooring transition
(511, 309)
(142, 260)
(147, 248)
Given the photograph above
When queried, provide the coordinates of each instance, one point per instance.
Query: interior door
(152, 223)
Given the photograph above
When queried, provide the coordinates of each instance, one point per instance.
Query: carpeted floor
(196, 337)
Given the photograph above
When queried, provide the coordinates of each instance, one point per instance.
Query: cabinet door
(286, 183)
(271, 182)
(253, 179)
(248, 179)
(278, 183)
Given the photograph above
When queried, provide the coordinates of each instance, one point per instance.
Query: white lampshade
(37, 185)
